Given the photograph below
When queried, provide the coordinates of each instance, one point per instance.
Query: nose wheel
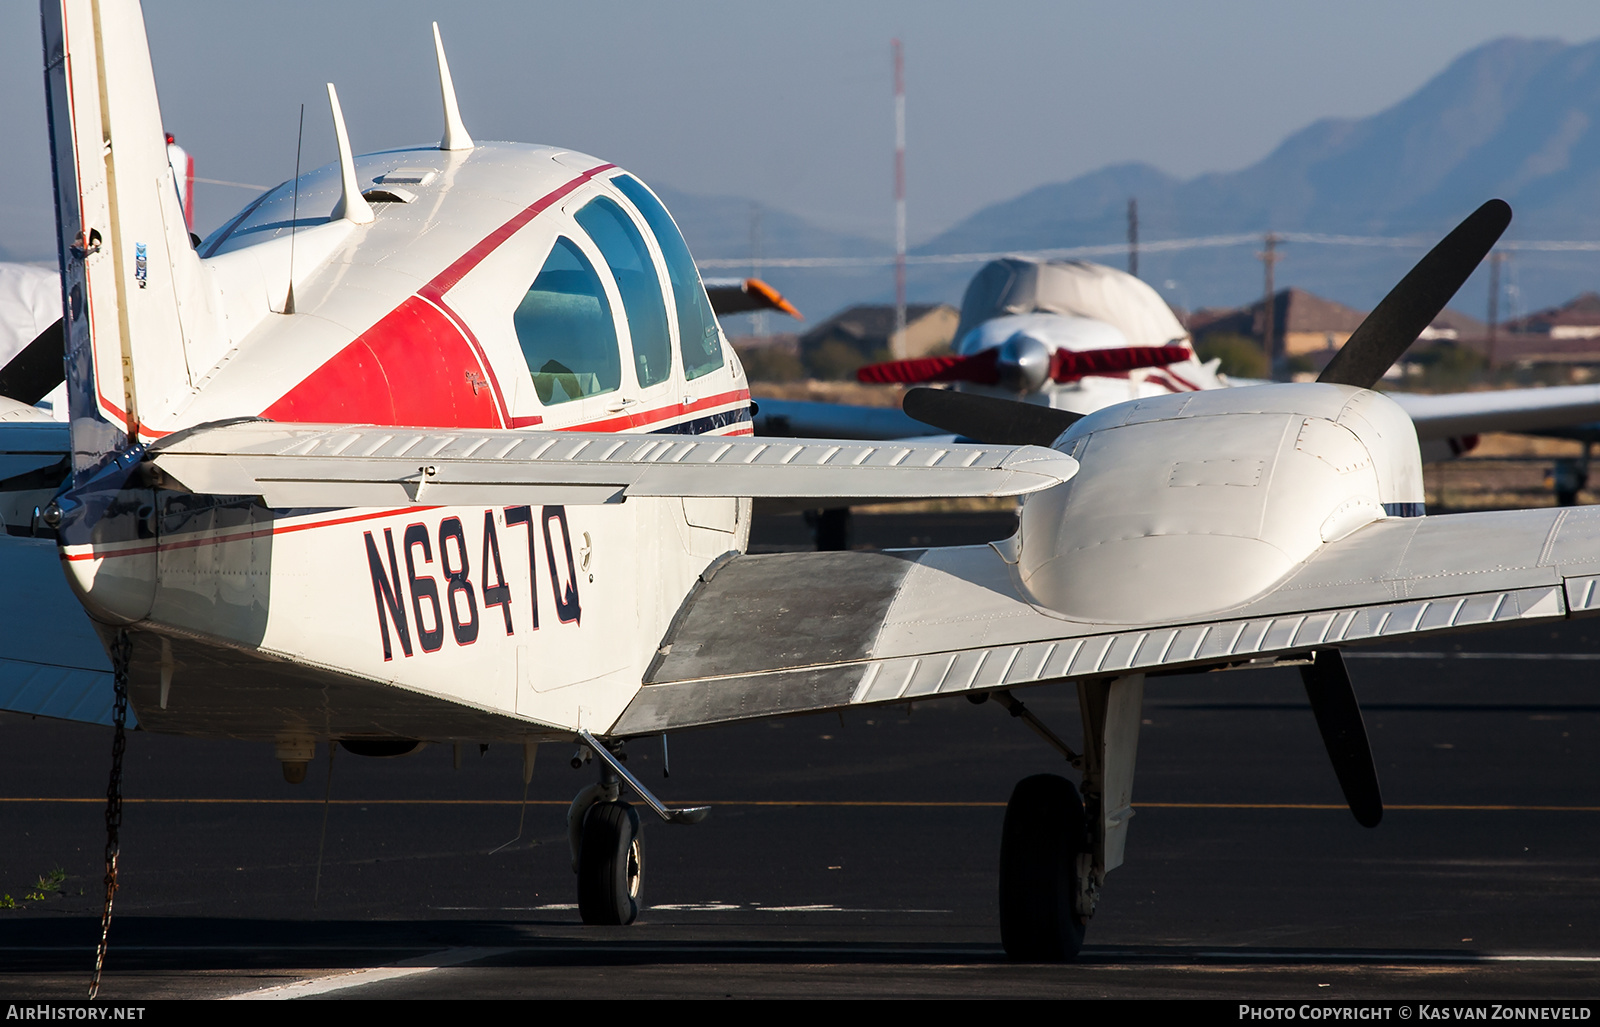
(607, 846)
(610, 864)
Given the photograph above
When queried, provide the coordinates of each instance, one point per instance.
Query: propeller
(1412, 305)
(1333, 702)
(1022, 363)
(38, 368)
(987, 419)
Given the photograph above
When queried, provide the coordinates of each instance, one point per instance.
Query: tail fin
(138, 302)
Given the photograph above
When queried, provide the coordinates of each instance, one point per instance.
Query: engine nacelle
(1192, 504)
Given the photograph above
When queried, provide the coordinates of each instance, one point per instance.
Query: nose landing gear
(607, 843)
(610, 864)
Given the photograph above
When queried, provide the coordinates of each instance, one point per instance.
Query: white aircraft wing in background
(1454, 414)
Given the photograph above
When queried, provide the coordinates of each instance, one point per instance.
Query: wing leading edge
(922, 623)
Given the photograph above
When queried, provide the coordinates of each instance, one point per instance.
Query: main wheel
(610, 864)
(831, 528)
(1044, 832)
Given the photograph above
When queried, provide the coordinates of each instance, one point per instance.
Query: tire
(1044, 832)
(832, 529)
(610, 865)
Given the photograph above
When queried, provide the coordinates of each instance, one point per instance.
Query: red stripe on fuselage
(644, 417)
(417, 366)
(283, 529)
(414, 367)
(447, 279)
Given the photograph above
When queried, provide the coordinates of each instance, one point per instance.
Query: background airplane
(443, 444)
(1078, 336)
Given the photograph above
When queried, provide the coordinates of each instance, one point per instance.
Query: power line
(1156, 246)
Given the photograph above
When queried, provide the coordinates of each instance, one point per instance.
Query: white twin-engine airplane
(1079, 336)
(459, 455)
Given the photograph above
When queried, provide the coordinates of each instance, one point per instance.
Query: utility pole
(755, 264)
(1269, 258)
(1496, 258)
(898, 342)
(1133, 236)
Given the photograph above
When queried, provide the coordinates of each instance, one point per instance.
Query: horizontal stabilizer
(341, 465)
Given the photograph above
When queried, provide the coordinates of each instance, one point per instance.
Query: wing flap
(301, 465)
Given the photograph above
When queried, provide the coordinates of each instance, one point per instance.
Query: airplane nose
(1023, 363)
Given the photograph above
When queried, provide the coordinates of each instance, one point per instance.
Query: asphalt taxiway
(854, 855)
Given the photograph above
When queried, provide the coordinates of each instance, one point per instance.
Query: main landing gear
(606, 839)
(1056, 849)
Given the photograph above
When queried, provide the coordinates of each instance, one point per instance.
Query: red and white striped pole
(898, 348)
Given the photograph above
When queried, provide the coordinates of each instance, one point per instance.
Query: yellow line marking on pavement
(858, 803)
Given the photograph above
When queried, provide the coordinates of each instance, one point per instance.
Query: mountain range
(1514, 118)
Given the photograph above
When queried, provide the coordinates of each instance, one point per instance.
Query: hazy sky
(786, 103)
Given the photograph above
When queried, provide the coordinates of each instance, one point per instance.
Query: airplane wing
(822, 631)
(1442, 416)
(802, 419)
(1515, 410)
(743, 295)
(357, 465)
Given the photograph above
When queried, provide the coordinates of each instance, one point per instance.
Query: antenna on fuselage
(294, 212)
(352, 204)
(455, 133)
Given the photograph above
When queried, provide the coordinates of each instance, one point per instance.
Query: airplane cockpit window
(697, 326)
(565, 328)
(623, 248)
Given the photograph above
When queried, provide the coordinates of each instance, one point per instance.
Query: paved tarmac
(856, 855)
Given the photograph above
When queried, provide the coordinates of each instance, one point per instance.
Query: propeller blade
(997, 422)
(1070, 365)
(981, 368)
(1333, 701)
(1412, 305)
(38, 368)
(742, 295)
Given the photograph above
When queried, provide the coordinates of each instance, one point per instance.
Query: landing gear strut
(1055, 850)
(607, 842)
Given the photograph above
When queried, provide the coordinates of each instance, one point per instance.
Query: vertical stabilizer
(138, 301)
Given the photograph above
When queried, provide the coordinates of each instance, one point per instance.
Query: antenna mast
(1278, 359)
(1496, 259)
(898, 341)
(1133, 236)
(294, 216)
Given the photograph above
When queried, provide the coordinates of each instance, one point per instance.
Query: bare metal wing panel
(321, 465)
(772, 634)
